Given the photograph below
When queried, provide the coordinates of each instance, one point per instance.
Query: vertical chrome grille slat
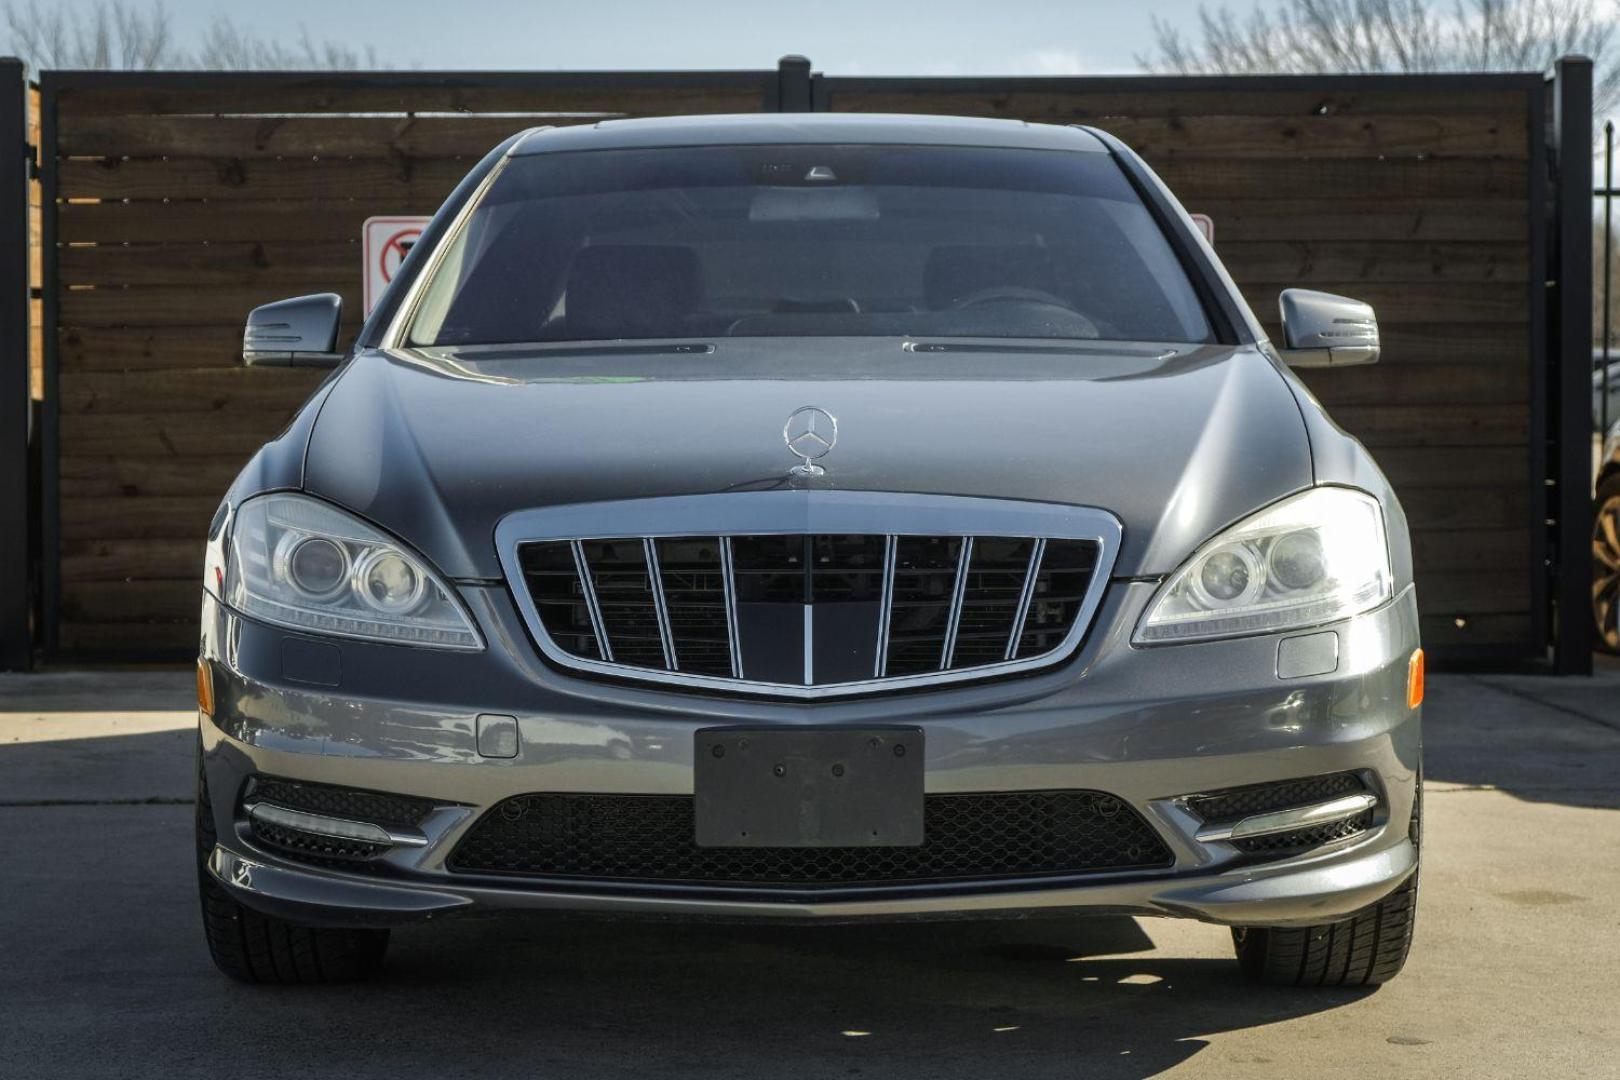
(598, 627)
(1028, 596)
(948, 653)
(729, 582)
(655, 581)
(885, 606)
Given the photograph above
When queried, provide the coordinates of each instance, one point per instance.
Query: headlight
(300, 563)
(1314, 558)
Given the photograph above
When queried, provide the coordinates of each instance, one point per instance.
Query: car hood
(1176, 441)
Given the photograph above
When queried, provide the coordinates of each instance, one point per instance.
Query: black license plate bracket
(808, 787)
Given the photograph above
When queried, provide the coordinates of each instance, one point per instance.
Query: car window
(741, 241)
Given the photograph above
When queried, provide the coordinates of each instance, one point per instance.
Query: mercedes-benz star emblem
(810, 433)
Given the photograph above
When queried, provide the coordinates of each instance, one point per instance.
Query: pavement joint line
(1567, 710)
(150, 800)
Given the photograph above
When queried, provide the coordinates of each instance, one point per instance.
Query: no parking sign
(384, 243)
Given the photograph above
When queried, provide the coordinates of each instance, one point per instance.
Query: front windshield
(748, 241)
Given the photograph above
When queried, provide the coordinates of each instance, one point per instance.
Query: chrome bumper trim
(1281, 821)
(336, 828)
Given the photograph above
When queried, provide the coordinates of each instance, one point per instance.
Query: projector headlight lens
(304, 564)
(1314, 558)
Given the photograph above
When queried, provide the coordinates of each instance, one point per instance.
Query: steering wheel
(1018, 294)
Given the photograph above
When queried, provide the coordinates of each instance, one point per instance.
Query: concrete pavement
(103, 972)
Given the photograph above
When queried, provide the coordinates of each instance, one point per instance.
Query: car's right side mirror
(1324, 330)
(301, 332)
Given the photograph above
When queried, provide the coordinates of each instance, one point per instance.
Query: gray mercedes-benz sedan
(814, 518)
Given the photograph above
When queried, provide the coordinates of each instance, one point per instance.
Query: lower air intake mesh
(649, 838)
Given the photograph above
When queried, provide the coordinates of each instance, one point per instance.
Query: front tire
(1366, 949)
(255, 948)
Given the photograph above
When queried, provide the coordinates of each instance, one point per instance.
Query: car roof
(800, 128)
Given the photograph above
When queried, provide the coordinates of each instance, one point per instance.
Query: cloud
(1052, 60)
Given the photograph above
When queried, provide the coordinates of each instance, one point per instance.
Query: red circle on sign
(395, 248)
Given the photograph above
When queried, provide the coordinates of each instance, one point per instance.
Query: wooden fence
(180, 202)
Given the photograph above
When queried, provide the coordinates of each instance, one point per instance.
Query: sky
(841, 37)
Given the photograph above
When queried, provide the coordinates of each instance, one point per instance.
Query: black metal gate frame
(16, 519)
(1560, 124)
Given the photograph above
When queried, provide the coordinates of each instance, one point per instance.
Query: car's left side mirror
(301, 333)
(1323, 330)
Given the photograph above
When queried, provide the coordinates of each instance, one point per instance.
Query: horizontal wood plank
(1305, 261)
(1064, 101)
(157, 348)
(231, 436)
(133, 560)
(292, 136)
(164, 305)
(130, 476)
(1466, 590)
(124, 640)
(1456, 135)
(150, 517)
(1460, 135)
(329, 220)
(1502, 549)
(1436, 425)
(225, 179)
(225, 389)
(1436, 505)
(1292, 218)
(1480, 302)
(1416, 384)
(1429, 342)
(228, 263)
(258, 93)
(131, 601)
(1455, 467)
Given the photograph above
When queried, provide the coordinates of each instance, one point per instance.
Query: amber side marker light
(1414, 679)
(205, 687)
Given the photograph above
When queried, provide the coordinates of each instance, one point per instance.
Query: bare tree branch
(1355, 36)
(118, 34)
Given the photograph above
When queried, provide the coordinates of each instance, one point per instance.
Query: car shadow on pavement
(997, 999)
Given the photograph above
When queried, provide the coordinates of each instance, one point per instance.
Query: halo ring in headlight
(1296, 560)
(389, 583)
(1230, 575)
(314, 565)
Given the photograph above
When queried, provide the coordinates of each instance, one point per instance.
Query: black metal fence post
(793, 84)
(15, 512)
(1608, 264)
(1569, 354)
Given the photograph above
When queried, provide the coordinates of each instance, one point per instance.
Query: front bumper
(1148, 726)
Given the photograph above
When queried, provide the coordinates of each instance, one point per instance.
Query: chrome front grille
(808, 594)
(747, 607)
